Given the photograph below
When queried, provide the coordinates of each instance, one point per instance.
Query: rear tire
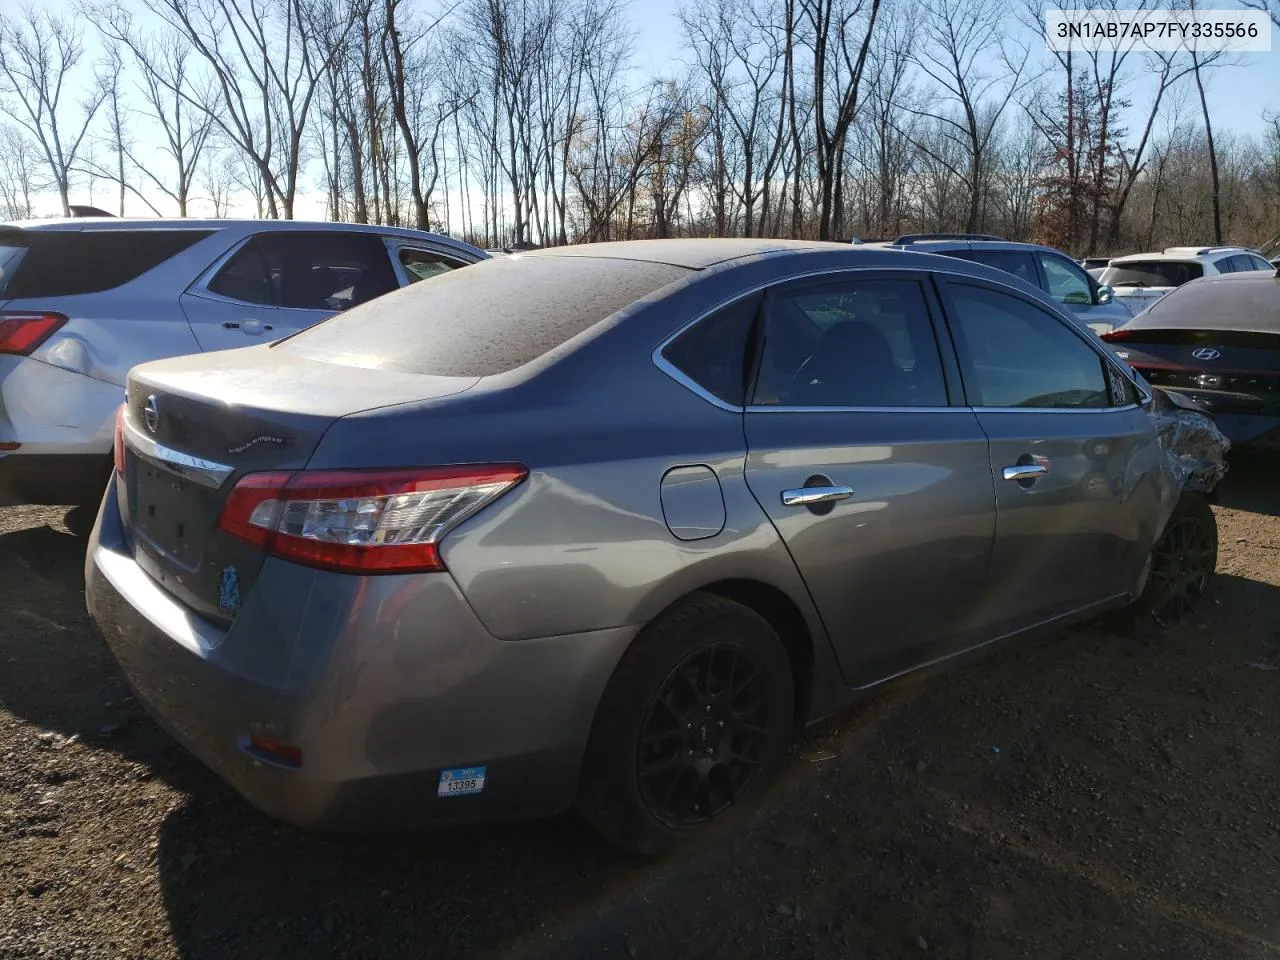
(1182, 567)
(692, 726)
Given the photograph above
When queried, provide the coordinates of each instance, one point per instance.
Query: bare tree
(39, 54)
(1269, 7)
(175, 97)
(19, 181)
(266, 64)
(963, 48)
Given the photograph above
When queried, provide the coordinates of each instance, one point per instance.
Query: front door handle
(1025, 471)
(808, 496)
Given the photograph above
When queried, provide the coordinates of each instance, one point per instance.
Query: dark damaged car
(603, 526)
(1217, 340)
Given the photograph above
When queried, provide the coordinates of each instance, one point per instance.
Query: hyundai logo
(151, 414)
(1206, 353)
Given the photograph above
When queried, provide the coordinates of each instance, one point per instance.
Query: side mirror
(1104, 294)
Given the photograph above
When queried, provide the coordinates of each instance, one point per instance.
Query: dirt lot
(1076, 796)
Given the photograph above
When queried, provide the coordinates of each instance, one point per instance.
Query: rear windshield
(491, 317)
(1243, 303)
(58, 263)
(1152, 273)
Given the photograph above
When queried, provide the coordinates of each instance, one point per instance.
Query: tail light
(362, 521)
(117, 447)
(20, 333)
(1111, 336)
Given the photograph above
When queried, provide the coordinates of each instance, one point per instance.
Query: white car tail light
(22, 332)
(362, 521)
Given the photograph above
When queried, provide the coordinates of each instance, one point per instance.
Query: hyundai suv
(84, 300)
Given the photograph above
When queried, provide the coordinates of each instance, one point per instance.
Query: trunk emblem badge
(229, 591)
(151, 414)
(1206, 353)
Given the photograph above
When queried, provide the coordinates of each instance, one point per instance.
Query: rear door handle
(808, 496)
(1025, 471)
(253, 326)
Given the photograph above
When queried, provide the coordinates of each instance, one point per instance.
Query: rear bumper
(382, 682)
(1245, 420)
(51, 410)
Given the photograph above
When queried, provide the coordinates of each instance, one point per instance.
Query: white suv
(1140, 279)
(84, 300)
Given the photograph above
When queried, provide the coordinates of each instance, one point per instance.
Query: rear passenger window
(1017, 355)
(307, 271)
(857, 343)
(62, 263)
(713, 352)
(1010, 261)
(421, 265)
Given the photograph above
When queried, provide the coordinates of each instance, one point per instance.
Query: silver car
(604, 525)
(83, 300)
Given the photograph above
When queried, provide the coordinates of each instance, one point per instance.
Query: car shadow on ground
(1077, 784)
(1065, 787)
(1252, 484)
(55, 672)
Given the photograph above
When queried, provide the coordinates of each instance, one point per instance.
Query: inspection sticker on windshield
(460, 781)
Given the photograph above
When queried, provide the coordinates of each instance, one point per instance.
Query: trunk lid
(1224, 370)
(195, 425)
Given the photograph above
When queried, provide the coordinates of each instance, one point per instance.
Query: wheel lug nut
(708, 708)
(719, 723)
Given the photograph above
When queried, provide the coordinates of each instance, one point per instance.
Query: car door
(879, 486)
(1069, 446)
(279, 282)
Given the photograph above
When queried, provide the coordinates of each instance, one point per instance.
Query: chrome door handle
(1025, 471)
(808, 496)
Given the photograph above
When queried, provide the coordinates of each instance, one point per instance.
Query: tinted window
(1010, 261)
(492, 317)
(1017, 355)
(859, 343)
(421, 265)
(1151, 273)
(1065, 282)
(1255, 262)
(307, 271)
(1246, 303)
(713, 352)
(60, 263)
(1227, 264)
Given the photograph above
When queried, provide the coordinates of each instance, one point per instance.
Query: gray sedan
(604, 525)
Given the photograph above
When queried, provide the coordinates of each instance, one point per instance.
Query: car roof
(693, 254)
(928, 245)
(83, 224)
(1157, 257)
(1180, 254)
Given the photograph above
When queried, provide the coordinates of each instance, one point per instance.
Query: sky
(1239, 96)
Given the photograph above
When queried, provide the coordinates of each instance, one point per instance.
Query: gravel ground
(1081, 795)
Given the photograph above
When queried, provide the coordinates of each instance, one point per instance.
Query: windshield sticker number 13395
(460, 781)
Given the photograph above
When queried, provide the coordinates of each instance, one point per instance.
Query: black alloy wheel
(704, 736)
